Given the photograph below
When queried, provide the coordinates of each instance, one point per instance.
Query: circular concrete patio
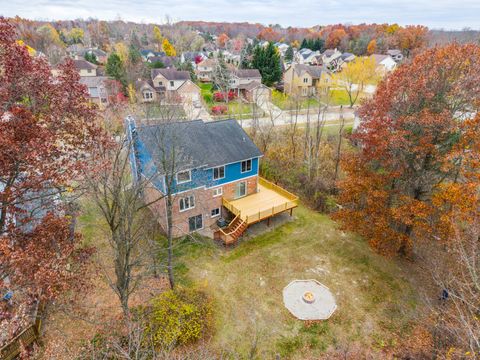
(309, 300)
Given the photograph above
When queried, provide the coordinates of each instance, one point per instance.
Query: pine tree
(304, 44)
(115, 69)
(289, 54)
(246, 56)
(267, 61)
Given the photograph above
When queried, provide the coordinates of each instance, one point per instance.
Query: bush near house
(219, 109)
(221, 97)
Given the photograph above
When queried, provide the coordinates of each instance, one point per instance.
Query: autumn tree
(355, 76)
(222, 40)
(335, 38)
(372, 47)
(157, 36)
(414, 137)
(48, 133)
(168, 48)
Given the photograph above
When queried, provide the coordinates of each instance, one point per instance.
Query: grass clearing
(374, 299)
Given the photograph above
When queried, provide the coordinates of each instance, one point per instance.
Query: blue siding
(204, 177)
(199, 177)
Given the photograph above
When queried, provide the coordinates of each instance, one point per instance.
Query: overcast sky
(447, 14)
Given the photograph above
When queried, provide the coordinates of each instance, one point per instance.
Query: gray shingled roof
(314, 71)
(84, 64)
(206, 144)
(247, 73)
(171, 74)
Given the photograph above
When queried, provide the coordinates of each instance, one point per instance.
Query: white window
(246, 165)
(215, 212)
(195, 223)
(184, 176)
(148, 95)
(172, 84)
(304, 91)
(187, 203)
(217, 192)
(240, 189)
(305, 80)
(160, 83)
(218, 172)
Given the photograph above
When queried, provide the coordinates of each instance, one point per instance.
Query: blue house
(211, 170)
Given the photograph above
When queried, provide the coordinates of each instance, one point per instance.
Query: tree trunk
(170, 241)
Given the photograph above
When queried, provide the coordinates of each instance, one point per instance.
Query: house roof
(247, 73)
(313, 71)
(251, 85)
(347, 56)
(97, 52)
(207, 63)
(171, 74)
(394, 52)
(93, 81)
(200, 144)
(84, 65)
(379, 58)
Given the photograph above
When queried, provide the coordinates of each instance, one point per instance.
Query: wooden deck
(270, 200)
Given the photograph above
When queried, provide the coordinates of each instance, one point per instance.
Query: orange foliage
(417, 161)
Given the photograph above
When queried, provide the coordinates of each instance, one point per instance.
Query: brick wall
(204, 204)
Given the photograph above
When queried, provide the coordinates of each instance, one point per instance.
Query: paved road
(280, 117)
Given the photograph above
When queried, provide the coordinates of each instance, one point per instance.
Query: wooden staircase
(232, 232)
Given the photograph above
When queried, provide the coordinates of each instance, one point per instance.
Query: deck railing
(24, 339)
(277, 189)
(261, 215)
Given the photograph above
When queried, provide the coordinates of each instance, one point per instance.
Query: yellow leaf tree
(168, 48)
(355, 76)
(132, 95)
(122, 51)
(157, 36)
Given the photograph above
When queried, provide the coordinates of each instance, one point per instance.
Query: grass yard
(375, 301)
(284, 102)
(206, 91)
(339, 97)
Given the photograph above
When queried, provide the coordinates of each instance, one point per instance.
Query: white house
(384, 63)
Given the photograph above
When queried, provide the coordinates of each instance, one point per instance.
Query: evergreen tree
(134, 55)
(267, 61)
(135, 41)
(115, 69)
(246, 56)
(91, 58)
(304, 44)
(289, 54)
(144, 39)
(156, 65)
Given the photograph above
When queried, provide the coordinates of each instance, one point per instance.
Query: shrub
(219, 109)
(219, 96)
(178, 317)
(208, 98)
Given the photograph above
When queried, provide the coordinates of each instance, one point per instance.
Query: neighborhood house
(216, 177)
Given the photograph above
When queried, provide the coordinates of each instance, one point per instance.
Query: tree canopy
(267, 61)
(418, 152)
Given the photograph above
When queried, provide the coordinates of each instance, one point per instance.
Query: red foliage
(48, 129)
(219, 109)
(198, 59)
(220, 96)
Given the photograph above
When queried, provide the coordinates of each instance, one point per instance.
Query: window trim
(246, 189)
(186, 181)
(241, 166)
(195, 216)
(189, 197)
(218, 167)
(214, 216)
(172, 83)
(216, 189)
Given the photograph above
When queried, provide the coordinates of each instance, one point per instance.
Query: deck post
(291, 212)
(268, 222)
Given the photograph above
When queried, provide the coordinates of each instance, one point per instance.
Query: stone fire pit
(309, 300)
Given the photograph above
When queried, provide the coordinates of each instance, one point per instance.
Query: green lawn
(375, 302)
(284, 102)
(339, 97)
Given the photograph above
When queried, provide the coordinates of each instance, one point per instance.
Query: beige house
(306, 80)
(85, 68)
(170, 84)
(241, 77)
(204, 70)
